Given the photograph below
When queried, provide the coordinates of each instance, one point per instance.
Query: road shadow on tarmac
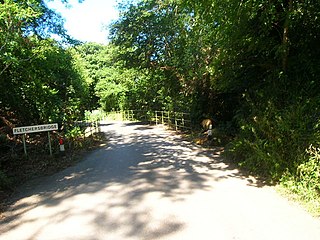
(139, 162)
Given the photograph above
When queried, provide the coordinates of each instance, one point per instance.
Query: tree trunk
(285, 36)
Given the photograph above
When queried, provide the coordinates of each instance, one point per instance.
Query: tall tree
(35, 71)
(252, 62)
(166, 38)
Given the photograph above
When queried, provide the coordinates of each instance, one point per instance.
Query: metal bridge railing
(176, 120)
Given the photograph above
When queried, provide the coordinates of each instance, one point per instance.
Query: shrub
(272, 141)
(305, 182)
(5, 182)
(95, 115)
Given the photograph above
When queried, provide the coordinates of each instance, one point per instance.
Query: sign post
(24, 144)
(33, 129)
(49, 139)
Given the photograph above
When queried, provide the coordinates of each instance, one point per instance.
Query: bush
(305, 182)
(273, 141)
(308, 173)
(5, 182)
(73, 133)
(95, 115)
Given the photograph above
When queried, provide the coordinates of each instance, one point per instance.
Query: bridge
(150, 183)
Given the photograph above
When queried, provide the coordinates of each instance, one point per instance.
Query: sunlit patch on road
(151, 184)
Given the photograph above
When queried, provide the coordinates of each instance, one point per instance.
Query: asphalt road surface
(148, 183)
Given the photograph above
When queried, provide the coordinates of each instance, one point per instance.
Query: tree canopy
(251, 65)
(39, 78)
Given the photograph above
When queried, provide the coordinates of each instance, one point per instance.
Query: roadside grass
(304, 198)
(304, 185)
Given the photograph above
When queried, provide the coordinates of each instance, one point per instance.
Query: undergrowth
(281, 145)
(304, 184)
(16, 168)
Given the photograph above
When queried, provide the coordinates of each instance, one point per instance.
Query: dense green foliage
(304, 184)
(39, 78)
(165, 41)
(105, 75)
(114, 86)
(251, 65)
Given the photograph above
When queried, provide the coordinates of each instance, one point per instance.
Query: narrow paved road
(148, 183)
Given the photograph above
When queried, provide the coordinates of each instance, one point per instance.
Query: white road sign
(36, 128)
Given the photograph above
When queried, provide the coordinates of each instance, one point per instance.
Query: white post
(61, 145)
(210, 131)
